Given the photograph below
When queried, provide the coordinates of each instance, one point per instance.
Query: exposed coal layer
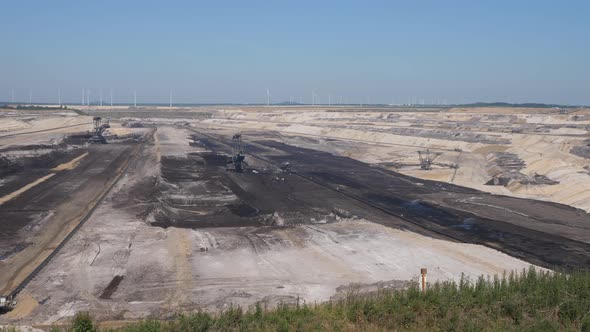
(35, 160)
(32, 147)
(544, 233)
(77, 139)
(17, 172)
(505, 167)
(198, 192)
(24, 215)
(582, 150)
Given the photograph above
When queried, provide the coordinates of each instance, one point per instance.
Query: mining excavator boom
(99, 128)
(237, 160)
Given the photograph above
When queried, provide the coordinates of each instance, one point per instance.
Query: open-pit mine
(145, 212)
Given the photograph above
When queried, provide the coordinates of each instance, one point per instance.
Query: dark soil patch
(111, 288)
(77, 139)
(242, 209)
(438, 207)
(581, 151)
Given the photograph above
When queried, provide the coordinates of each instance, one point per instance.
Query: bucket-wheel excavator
(236, 162)
(99, 128)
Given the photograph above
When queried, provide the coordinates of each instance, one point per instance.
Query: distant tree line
(501, 104)
(36, 107)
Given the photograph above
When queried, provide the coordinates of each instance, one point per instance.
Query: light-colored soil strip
(70, 164)
(65, 166)
(17, 193)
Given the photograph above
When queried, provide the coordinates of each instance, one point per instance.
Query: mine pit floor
(544, 233)
(180, 233)
(45, 196)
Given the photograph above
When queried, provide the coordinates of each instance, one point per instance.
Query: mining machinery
(236, 161)
(7, 303)
(427, 158)
(99, 128)
(286, 167)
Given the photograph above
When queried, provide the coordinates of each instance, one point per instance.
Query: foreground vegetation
(531, 300)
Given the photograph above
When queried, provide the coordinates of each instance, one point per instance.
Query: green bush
(83, 323)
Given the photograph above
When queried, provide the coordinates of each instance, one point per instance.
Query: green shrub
(83, 323)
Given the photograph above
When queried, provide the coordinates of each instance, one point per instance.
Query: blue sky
(231, 51)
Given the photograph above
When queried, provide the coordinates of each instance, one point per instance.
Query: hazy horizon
(106, 103)
(377, 52)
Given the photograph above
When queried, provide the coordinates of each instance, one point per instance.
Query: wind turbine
(170, 98)
(134, 98)
(30, 97)
(100, 96)
(111, 97)
(59, 97)
(267, 97)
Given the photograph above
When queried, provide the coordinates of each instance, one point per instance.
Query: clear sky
(231, 51)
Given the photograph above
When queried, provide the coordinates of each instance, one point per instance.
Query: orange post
(423, 279)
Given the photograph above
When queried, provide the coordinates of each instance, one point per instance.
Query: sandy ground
(39, 128)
